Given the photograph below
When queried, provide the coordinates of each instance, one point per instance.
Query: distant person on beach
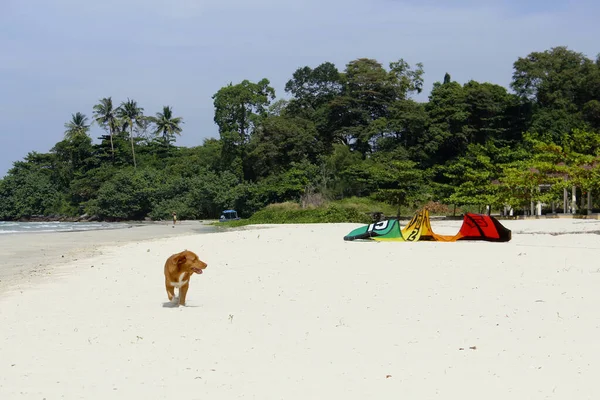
(174, 218)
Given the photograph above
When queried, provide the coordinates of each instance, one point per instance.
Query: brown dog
(178, 271)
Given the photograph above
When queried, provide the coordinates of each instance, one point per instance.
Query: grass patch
(352, 209)
(348, 210)
(367, 205)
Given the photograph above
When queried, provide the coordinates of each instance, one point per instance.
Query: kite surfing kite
(474, 227)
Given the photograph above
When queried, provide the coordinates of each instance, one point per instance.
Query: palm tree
(76, 139)
(104, 115)
(77, 126)
(167, 125)
(130, 114)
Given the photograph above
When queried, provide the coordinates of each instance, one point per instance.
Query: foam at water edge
(30, 227)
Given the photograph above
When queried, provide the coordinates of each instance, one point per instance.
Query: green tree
(558, 83)
(312, 88)
(370, 91)
(167, 126)
(403, 130)
(77, 152)
(128, 195)
(332, 181)
(280, 141)
(447, 136)
(212, 192)
(552, 78)
(28, 188)
(489, 108)
(374, 88)
(130, 115)
(238, 110)
(105, 116)
(384, 178)
(76, 148)
(77, 126)
(473, 177)
(277, 188)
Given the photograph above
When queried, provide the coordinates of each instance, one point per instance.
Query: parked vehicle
(228, 215)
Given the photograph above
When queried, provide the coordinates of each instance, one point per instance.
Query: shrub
(165, 208)
(293, 213)
(435, 207)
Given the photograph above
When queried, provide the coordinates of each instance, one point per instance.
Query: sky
(59, 57)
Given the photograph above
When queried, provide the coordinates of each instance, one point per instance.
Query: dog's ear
(180, 259)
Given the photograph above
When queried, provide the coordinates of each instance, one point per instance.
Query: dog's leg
(170, 290)
(182, 293)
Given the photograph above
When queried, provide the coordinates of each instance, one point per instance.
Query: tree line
(355, 132)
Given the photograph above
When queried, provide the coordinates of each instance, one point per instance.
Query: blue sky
(59, 57)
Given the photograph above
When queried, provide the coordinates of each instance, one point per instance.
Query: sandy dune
(294, 312)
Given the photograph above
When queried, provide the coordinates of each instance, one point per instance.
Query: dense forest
(356, 132)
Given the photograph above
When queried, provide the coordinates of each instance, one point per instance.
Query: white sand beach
(295, 312)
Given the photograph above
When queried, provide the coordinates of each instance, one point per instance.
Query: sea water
(22, 227)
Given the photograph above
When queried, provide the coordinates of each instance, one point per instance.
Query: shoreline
(28, 257)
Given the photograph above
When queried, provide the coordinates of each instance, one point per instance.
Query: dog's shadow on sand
(175, 304)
